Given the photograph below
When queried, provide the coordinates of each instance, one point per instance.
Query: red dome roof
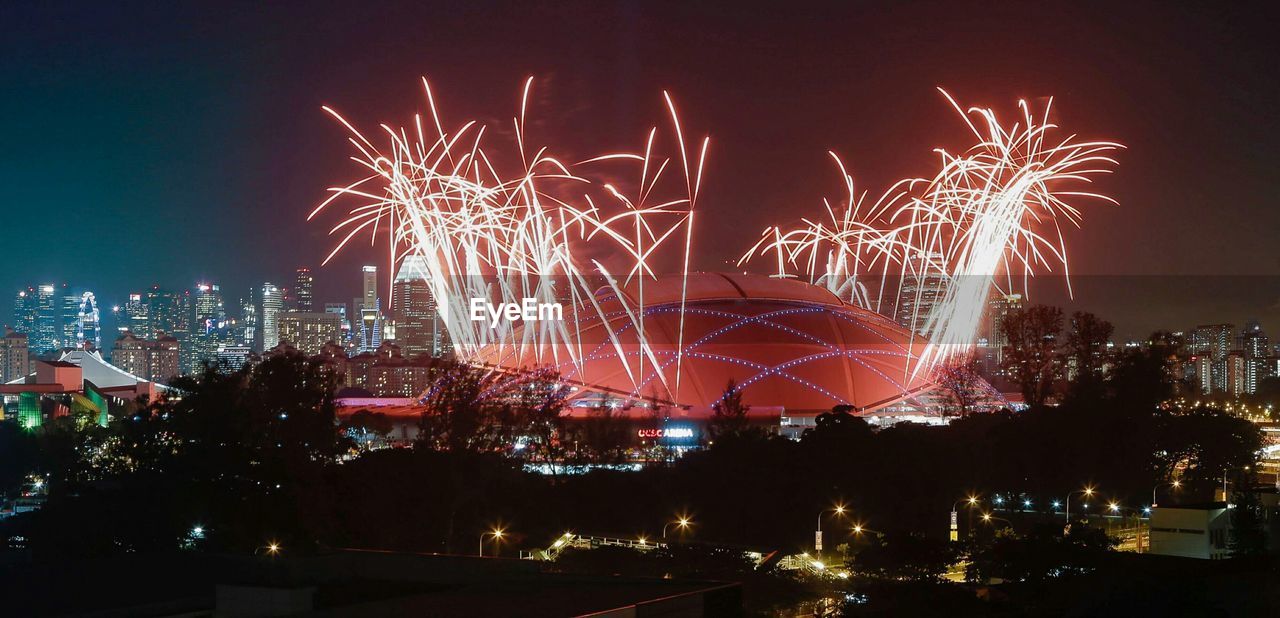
(787, 344)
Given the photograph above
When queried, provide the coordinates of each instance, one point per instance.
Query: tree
(1032, 354)
(1086, 350)
(1043, 553)
(912, 557)
(728, 414)
(961, 384)
(1087, 342)
(459, 407)
(837, 428)
(542, 404)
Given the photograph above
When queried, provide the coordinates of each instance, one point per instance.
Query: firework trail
(472, 232)
(990, 217)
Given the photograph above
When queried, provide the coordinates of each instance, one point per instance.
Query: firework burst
(473, 232)
(988, 220)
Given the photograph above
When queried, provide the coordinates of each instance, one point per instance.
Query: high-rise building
(367, 319)
(210, 326)
(418, 328)
(35, 314)
(370, 281)
(208, 303)
(302, 295)
(233, 356)
(24, 311)
(250, 329)
(1202, 365)
(272, 305)
(1235, 374)
(15, 357)
(170, 313)
(1256, 347)
(1214, 341)
(155, 360)
(88, 331)
(310, 331)
(991, 337)
(917, 297)
(68, 317)
(340, 309)
(135, 316)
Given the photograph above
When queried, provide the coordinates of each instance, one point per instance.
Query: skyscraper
(272, 305)
(171, 313)
(310, 331)
(370, 275)
(68, 317)
(210, 325)
(35, 314)
(303, 299)
(418, 328)
(250, 328)
(991, 337)
(136, 319)
(15, 357)
(1256, 347)
(1214, 341)
(88, 323)
(368, 312)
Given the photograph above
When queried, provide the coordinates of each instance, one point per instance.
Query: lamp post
(1173, 484)
(817, 536)
(988, 518)
(683, 522)
(858, 529)
(972, 501)
(496, 533)
(1087, 491)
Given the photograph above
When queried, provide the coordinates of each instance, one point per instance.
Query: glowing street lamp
(496, 533)
(1086, 492)
(971, 501)
(272, 548)
(1174, 484)
(817, 537)
(682, 522)
(988, 518)
(858, 529)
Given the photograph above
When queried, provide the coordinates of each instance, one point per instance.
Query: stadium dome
(787, 344)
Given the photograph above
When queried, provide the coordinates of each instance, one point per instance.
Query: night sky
(145, 143)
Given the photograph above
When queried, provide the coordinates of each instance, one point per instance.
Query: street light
(1086, 492)
(988, 518)
(971, 501)
(1174, 484)
(496, 533)
(858, 529)
(817, 537)
(682, 521)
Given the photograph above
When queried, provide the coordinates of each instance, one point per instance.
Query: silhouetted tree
(460, 404)
(728, 414)
(912, 557)
(1041, 554)
(961, 385)
(1031, 356)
